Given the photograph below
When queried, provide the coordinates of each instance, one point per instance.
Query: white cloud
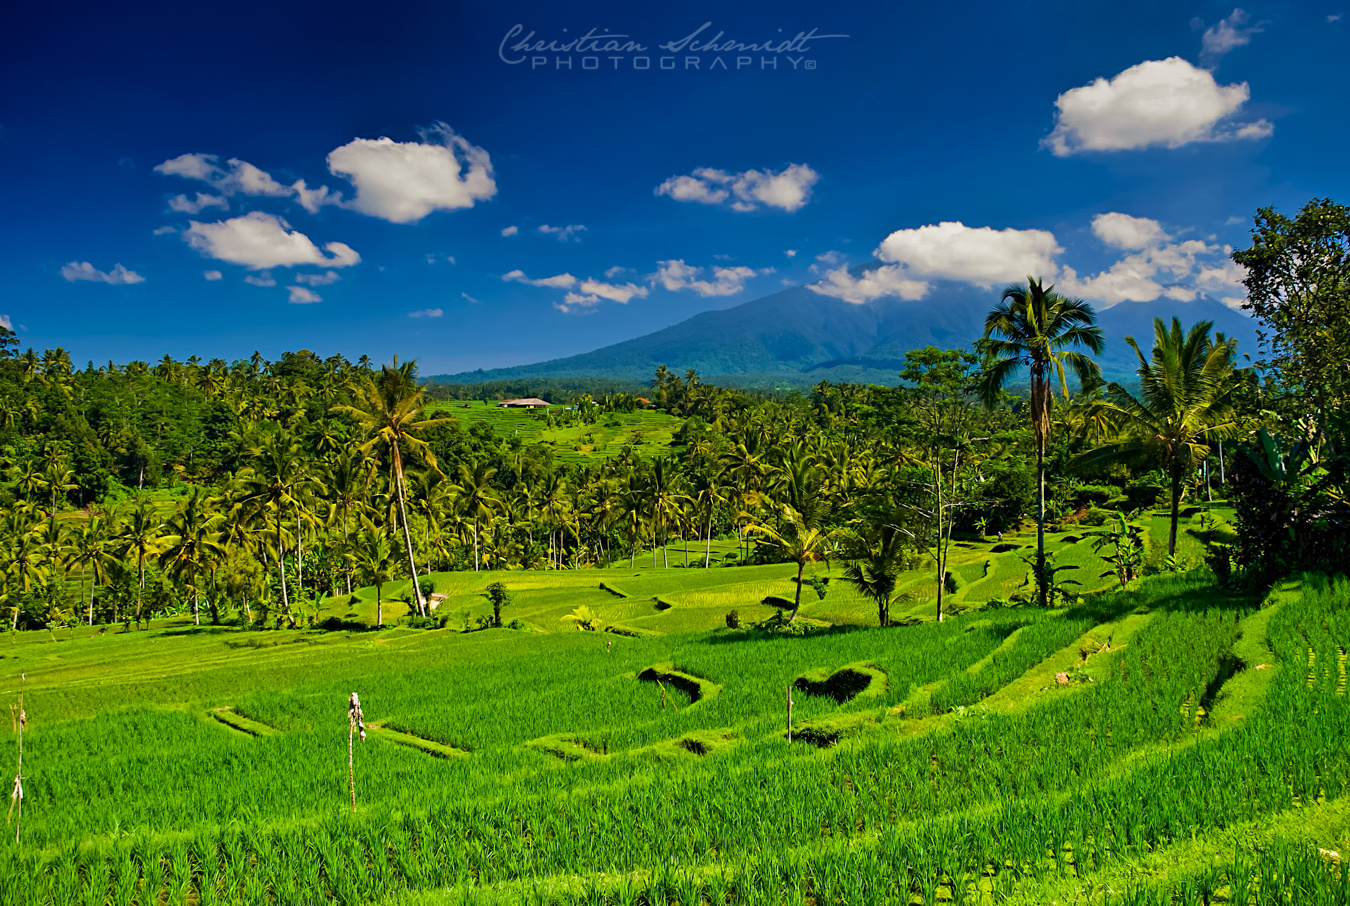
(212, 275)
(577, 303)
(563, 233)
(237, 177)
(1334, 17)
(616, 270)
(402, 182)
(979, 255)
(78, 271)
(791, 253)
(469, 298)
(675, 275)
(164, 230)
(789, 189)
(6, 323)
(1158, 102)
(1225, 35)
(323, 279)
(1122, 231)
(426, 313)
(620, 293)
(265, 279)
(559, 281)
(184, 205)
(888, 280)
(302, 296)
(1156, 267)
(258, 240)
(510, 231)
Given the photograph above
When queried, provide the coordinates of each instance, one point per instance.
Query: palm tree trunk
(407, 536)
(475, 542)
(707, 553)
(281, 571)
(941, 565)
(1176, 504)
(1041, 590)
(797, 601)
(91, 595)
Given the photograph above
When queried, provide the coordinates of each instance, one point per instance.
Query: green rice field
(1172, 743)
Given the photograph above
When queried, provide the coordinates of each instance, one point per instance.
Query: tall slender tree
(392, 410)
(1034, 327)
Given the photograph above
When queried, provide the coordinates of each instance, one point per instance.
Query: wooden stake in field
(16, 797)
(356, 724)
(789, 712)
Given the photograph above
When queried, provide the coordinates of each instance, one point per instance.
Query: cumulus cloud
(913, 258)
(982, 256)
(302, 296)
(324, 279)
(620, 293)
(237, 177)
(791, 253)
(426, 313)
(258, 240)
(1122, 231)
(888, 280)
(184, 205)
(558, 281)
(1158, 102)
(675, 275)
(163, 231)
(578, 303)
(1225, 35)
(788, 190)
(6, 323)
(83, 271)
(212, 275)
(1156, 267)
(510, 231)
(265, 279)
(564, 233)
(402, 182)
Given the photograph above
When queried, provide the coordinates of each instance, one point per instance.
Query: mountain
(796, 338)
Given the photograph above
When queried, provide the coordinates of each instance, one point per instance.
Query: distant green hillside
(797, 338)
(649, 432)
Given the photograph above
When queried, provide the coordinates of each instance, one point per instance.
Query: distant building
(531, 403)
(643, 402)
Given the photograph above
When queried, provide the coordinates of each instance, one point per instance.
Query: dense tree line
(250, 490)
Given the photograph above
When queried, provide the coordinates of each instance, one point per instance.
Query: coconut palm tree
(141, 537)
(392, 410)
(377, 560)
(476, 499)
(91, 550)
(194, 540)
(1186, 388)
(1033, 327)
(274, 482)
(801, 541)
(878, 556)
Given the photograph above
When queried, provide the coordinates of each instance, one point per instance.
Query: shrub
(733, 619)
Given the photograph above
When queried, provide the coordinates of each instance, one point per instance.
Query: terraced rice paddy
(1169, 744)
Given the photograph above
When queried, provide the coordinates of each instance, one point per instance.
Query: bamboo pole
(16, 797)
(789, 713)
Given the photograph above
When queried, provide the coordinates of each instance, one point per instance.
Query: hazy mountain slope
(799, 337)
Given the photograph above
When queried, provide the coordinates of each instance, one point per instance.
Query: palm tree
(1186, 390)
(801, 541)
(140, 536)
(877, 562)
(1033, 326)
(274, 480)
(393, 410)
(476, 498)
(194, 540)
(90, 549)
(376, 558)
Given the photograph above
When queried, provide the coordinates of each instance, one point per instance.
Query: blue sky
(483, 185)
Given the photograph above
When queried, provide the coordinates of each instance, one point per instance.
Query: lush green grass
(648, 431)
(1197, 738)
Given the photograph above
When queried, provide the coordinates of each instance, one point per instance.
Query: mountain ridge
(797, 337)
